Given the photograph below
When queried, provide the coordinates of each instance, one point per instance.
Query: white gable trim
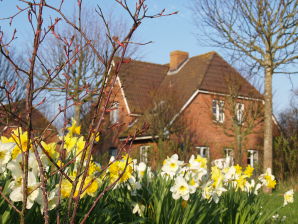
(224, 94)
(207, 92)
(139, 138)
(122, 92)
(184, 106)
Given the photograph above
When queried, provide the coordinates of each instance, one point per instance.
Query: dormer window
(239, 110)
(114, 113)
(218, 110)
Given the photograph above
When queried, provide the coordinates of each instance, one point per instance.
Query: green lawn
(274, 200)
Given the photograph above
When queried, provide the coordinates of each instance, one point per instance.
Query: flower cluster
(69, 161)
(188, 177)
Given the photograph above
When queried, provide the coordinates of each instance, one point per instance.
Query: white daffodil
(289, 197)
(52, 201)
(207, 190)
(197, 163)
(33, 191)
(133, 185)
(216, 193)
(5, 155)
(138, 208)
(143, 169)
(180, 189)
(252, 186)
(171, 166)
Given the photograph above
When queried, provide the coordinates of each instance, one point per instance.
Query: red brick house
(14, 115)
(213, 101)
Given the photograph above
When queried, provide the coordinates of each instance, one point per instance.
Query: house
(14, 115)
(220, 109)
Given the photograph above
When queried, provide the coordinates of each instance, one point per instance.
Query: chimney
(177, 58)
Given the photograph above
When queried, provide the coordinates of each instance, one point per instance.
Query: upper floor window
(239, 112)
(114, 114)
(252, 157)
(203, 151)
(144, 151)
(218, 110)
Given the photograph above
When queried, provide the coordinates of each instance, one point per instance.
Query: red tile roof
(208, 72)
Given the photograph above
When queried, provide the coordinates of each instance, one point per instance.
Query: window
(144, 153)
(114, 114)
(229, 157)
(239, 112)
(218, 110)
(252, 157)
(113, 151)
(203, 151)
(229, 152)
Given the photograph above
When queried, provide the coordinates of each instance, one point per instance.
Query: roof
(39, 122)
(139, 80)
(208, 72)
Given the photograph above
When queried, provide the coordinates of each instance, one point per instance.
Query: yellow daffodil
(21, 140)
(216, 176)
(248, 171)
(51, 149)
(93, 185)
(120, 167)
(69, 142)
(74, 128)
(238, 169)
(66, 187)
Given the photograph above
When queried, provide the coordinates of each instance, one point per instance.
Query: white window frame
(239, 110)
(144, 151)
(203, 151)
(229, 152)
(218, 110)
(114, 113)
(252, 157)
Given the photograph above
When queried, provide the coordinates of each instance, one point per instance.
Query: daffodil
(16, 187)
(51, 149)
(248, 171)
(5, 155)
(21, 140)
(180, 189)
(92, 185)
(138, 208)
(289, 197)
(216, 176)
(66, 187)
(121, 168)
(197, 163)
(267, 179)
(74, 128)
(69, 142)
(52, 201)
(171, 165)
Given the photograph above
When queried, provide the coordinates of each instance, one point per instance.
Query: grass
(275, 200)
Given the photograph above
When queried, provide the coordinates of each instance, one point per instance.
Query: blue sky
(167, 33)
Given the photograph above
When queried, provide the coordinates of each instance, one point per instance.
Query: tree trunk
(77, 113)
(267, 163)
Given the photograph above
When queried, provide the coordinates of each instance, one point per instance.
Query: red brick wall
(212, 134)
